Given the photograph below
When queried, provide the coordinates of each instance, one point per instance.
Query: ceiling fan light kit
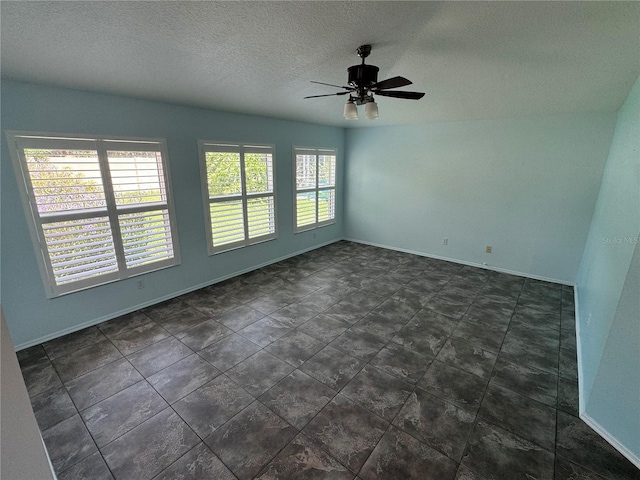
(363, 84)
(350, 110)
(371, 109)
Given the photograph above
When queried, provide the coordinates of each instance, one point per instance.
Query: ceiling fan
(363, 84)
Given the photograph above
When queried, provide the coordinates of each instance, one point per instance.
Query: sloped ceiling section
(473, 59)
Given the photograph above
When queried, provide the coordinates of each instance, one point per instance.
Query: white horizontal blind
(100, 208)
(239, 194)
(315, 188)
(260, 216)
(146, 237)
(140, 195)
(306, 209)
(227, 222)
(80, 249)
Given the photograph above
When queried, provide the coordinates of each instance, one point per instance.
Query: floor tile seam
(167, 405)
(378, 367)
(257, 399)
(207, 344)
(509, 432)
(249, 324)
(568, 350)
(263, 348)
(450, 337)
(169, 334)
(189, 425)
(555, 416)
(185, 454)
(447, 338)
(190, 392)
(106, 464)
(532, 340)
(373, 449)
(80, 411)
(512, 358)
(506, 387)
(368, 363)
(490, 377)
(349, 381)
(521, 321)
(202, 312)
(36, 366)
(171, 405)
(478, 418)
(167, 366)
(51, 359)
(77, 412)
(413, 388)
(285, 377)
(288, 362)
(572, 378)
(426, 442)
(126, 328)
(325, 450)
(441, 397)
(93, 369)
(78, 460)
(555, 443)
(392, 424)
(477, 413)
(89, 371)
(150, 418)
(598, 475)
(469, 433)
(538, 310)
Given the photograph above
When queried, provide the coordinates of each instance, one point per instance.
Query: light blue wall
(30, 315)
(525, 186)
(608, 289)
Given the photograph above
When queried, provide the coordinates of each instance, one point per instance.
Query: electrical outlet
(445, 241)
(488, 250)
(589, 320)
(140, 284)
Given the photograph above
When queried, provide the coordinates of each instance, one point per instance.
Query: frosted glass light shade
(350, 111)
(371, 110)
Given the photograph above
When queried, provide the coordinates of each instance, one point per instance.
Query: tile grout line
(367, 363)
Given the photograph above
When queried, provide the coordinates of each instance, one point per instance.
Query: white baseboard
(582, 401)
(462, 262)
(149, 303)
(600, 430)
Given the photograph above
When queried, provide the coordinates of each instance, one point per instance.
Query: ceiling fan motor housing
(363, 75)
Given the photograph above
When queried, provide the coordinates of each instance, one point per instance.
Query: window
(239, 194)
(315, 190)
(99, 209)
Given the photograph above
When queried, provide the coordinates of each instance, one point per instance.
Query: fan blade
(331, 85)
(394, 82)
(407, 95)
(327, 95)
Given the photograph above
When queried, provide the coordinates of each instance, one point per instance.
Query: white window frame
(317, 189)
(19, 140)
(205, 146)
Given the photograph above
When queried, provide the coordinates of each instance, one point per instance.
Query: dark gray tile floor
(346, 362)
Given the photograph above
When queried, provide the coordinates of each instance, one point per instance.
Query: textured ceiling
(473, 59)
